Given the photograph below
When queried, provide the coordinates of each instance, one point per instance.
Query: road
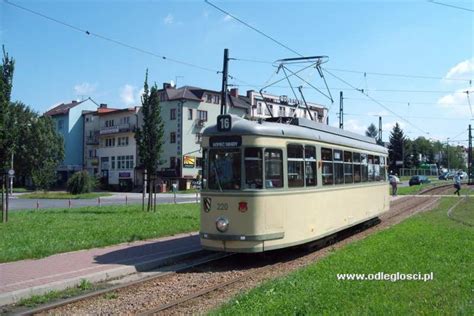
(17, 203)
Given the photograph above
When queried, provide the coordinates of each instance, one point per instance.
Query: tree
(47, 152)
(6, 69)
(81, 182)
(396, 148)
(149, 137)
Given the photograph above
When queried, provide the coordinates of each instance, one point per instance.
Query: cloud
(127, 94)
(85, 88)
(464, 69)
(457, 102)
(355, 126)
(227, 18)
(169, 19)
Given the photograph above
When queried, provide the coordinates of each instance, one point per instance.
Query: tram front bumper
(237, 243)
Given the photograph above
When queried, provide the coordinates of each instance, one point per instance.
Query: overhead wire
(375, 101)
(123, 44)
(253, 28)
(450, 5)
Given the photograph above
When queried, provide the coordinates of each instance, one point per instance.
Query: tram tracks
(199, 287)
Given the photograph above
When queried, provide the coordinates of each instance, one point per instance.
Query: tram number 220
(224, 123)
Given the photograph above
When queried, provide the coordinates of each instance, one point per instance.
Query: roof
(63, 108)
(298, 128)
(196, 94)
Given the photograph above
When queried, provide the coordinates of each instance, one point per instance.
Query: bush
(81, 182)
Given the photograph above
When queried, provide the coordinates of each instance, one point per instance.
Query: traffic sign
(11, 172)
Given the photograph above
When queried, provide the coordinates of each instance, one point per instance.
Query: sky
(407, 61)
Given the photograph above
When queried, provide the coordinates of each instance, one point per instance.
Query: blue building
(70, 125)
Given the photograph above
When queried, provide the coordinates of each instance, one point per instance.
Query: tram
(281, 182)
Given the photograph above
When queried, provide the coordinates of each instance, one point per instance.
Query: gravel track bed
(255, 268)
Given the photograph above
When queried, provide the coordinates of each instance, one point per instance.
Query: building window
(259, 108)
(91, 153)
(198, 162)
(122, 141)
(209, 98)
(198, 138)
(172, 137)
(109, 142)
(125, 120)
(172, 162)
(172, 114)
(202, 115)
(124, 162)
(216, 99)
(269, 109)
(112, 160)
(292, 112)
(60, 124)
(190, 114)
(109, 123)
(282, 111)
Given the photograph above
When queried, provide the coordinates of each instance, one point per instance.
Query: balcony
(92, 140)
(124, 128)
(200, 123)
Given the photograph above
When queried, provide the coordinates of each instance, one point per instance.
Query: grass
(63, 195)
(428, 242)
(414, 189)
(464, 211)
(37, 234)
(36, 300)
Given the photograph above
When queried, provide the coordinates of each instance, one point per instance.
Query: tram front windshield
(224, 169)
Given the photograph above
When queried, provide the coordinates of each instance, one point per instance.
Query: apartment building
(186, 111)
(284, 106)
(70, 125)
(110, 148)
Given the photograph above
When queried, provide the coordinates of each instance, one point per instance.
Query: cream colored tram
(270, 185)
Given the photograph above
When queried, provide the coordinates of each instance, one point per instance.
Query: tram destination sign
(225, 141)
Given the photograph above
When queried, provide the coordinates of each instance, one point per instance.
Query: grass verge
(37, 234)
(428, 242)
(63, 195)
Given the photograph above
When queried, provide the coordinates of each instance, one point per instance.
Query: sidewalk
(25, 278)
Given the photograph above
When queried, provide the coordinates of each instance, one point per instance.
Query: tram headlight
(222, 224)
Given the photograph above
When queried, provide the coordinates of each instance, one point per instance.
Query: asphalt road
(17, 203)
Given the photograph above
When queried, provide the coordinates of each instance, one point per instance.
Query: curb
(15, 296)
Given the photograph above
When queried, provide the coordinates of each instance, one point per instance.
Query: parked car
(418, 180)
(463, 175)
(443, 176)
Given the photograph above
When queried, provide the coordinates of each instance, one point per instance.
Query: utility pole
(470, 176)
(447, 152)
(341, 111)
(380, 129)
(224, 82)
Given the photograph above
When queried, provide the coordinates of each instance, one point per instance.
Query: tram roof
(298, 128)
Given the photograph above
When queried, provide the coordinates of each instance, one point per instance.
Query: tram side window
(253, 168)
(295, 166)
(348, 175)
(328, 173)
(310, 165)
(224, 169)
(371, 168)
(204, 168)
(364, 167)
(376, 168)
(273, 168)
(357, 175)
(338, 167)
(383, 171)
